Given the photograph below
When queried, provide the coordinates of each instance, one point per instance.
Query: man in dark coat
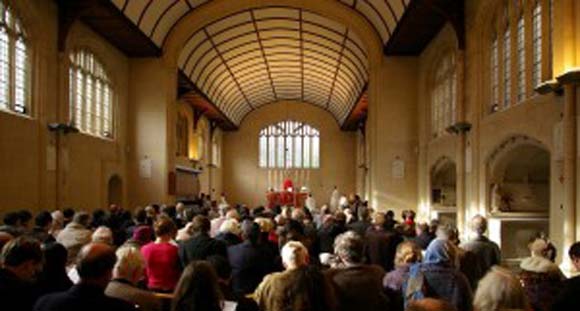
(381, 245)
(22, 260)
(568, 299)
(250, 261)
(357, 286)
(201, 245)
(95, 267)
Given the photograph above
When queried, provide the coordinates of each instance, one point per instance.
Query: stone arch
(443, 182)
(518, 176)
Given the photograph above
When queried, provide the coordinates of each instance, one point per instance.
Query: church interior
(448, 108)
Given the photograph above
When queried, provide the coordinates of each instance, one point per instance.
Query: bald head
(430, 304)
(95, 263)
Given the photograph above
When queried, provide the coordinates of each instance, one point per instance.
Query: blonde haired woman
(407, 254)
(500, 290)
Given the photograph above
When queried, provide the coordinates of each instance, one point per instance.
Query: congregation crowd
(210, 256)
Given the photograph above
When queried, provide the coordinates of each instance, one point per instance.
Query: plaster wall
(245, 182)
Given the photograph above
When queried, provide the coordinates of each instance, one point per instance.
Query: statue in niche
(501, 201)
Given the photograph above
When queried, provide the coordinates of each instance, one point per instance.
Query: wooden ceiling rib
(258, 56)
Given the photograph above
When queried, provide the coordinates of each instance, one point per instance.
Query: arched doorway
(115, 190)
(519, 195)
(443, 191)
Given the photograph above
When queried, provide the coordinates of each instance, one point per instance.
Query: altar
(287, 196)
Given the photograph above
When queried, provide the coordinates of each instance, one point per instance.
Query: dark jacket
(359, 227)
(542, 281)
(17, 294)
(250, 263)
(393, 286)
(200, 247)
(81, 297)
(359, 288)
(42, 235)
(424, 239)
(568, 299)
(326, 235)
(381, 248)
(486, 252)
(228, 238)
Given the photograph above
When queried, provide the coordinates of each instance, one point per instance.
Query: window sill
(17, 114)
(85, 134)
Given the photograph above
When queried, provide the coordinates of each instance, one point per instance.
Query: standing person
(201, 245)
(250, 261)
(408, 253)
(541, 278)
(568, 298)
(436, 277)
(42, 226)
(358, 286)
(95, 264)
(161, 258)
(310, 203)
(380, 244)
(486, 251)
(21, 260)
(334, 200)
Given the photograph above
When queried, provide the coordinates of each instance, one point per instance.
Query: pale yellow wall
(84, 163)
(245, 182)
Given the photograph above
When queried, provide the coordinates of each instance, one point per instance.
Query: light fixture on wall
(62, 128)
(459, 128)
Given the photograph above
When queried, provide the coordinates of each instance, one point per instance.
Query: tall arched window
(443, 95)
(289, 144)
(513, 59)
(537, 44)
(521, 45)
(90, 95)
(14, 63)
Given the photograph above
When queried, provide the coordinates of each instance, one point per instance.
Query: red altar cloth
(286, 198)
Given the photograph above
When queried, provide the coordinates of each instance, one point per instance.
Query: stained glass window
(537, 44)
(443, 95)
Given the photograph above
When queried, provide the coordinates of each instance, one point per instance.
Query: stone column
(570, 82)
(461, 141)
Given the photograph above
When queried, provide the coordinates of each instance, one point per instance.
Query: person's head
(11, 219)
(233, 214)
(298, 215)
(574, 253)
(200, 225)
(221, 266)
(479, 225)
(266, 224)
(23, 257)
(448, 232)
(430, 304)
(103, 235)
(130, 264)
(500, 290)
(539, 248)
(165, 228)
(43, 220)
(142, 235)
(407, 253)
(250, 231)
(379, 219)
(57, 220)
(95, 264)
(68, 214)
(230, 226)
(441, 252)
(197, 289)
(294, 255)
(421, 228)
(82, 218)
(140, 216)
(25, 218)
(55, 258)
(179, 208)
(349, 247)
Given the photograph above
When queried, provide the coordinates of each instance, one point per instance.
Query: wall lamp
(459, 128)
(62, 128)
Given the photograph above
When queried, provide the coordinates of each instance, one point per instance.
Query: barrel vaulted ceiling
(259, 56)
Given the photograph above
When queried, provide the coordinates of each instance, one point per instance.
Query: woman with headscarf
(437, 278)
